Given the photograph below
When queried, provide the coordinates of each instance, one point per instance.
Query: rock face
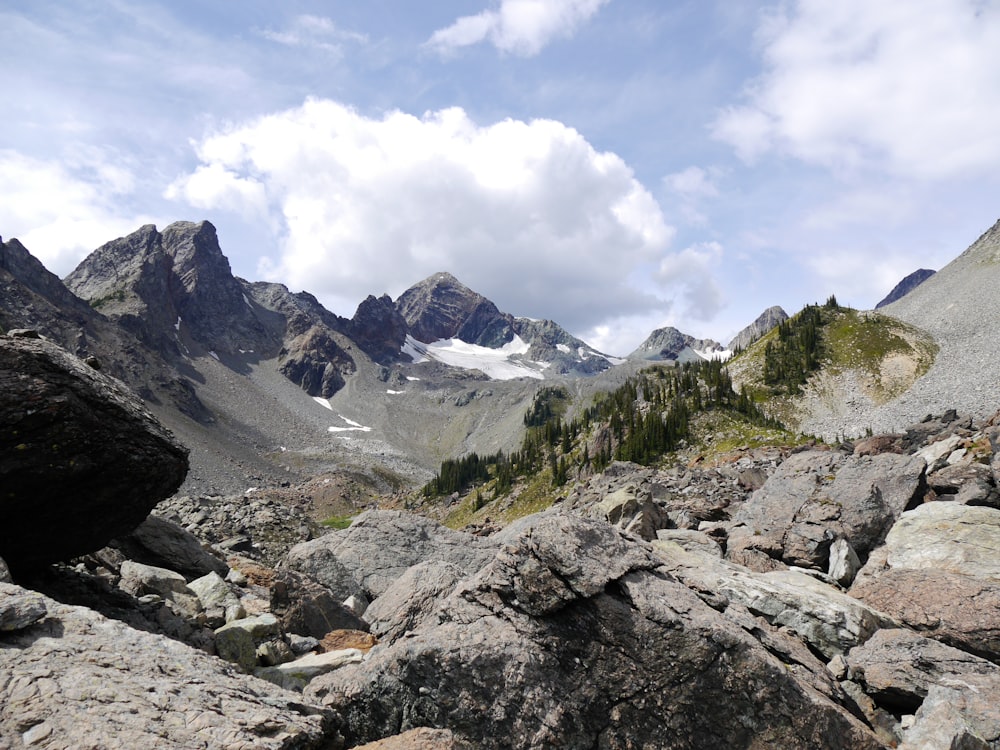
(379, 329)
(81, 461)
(939, 574)
(817, 497)
(152, 692)
(571, 637)
(669, 344)
(770, 318)
(907, 285)
(441, 307)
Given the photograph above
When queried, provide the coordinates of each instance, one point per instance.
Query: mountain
(441, 309)
(670, 345)
(767, 320)
(906, 286)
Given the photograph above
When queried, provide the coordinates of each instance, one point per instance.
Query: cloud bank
(528, 213)
(910, 88)
(518, 27)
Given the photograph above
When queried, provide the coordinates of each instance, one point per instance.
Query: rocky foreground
(814, 597)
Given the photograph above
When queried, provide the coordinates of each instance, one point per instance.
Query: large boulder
(380, 546)
(157, 541)
(816, 497)
(77, 679)
(939, 573)
(81, 460)
(571, 637)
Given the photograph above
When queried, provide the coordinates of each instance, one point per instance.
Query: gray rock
(411, 599)
(81, 460)
(19, 608)
(898, 667)
(138, 580)
(939, 573)
(157, 541)
(632, 509)
(690, 540)
(4, 572)
(306, 607)
(844, 562)
(379, 547)
(571, 637)
(295, 675)
(827, 619)
(77, 679)
(816, 497)
(220, 603)
(958, 713)
(237, 641)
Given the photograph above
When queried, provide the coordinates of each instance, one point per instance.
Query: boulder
(81, 460)
(4, 572)
(571, 637)
(632, 509)
(220, 602)
(690, 540)
(237, 641)
(379, 547)
(306, 607)
(960, 714)
(295, 675)
(816, 497)
(897, 667)
(157, 541)
(939, 573)
(824, 617)
(20, 609)
(411, 598)
(419, 739)
(77, 679)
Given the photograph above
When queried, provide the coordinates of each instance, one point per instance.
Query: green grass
(337, 522)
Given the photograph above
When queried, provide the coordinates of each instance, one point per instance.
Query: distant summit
(906, 286)
(767, 320)
(670, 345)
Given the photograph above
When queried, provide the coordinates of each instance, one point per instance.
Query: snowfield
(494, 363)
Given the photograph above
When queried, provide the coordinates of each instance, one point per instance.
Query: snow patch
(495, 363)
(353, 426)
(412, 379)
(177, 325)
(245, 299)
(215, 355)
(395, 393)
(563, 348)
(721, 355)
(322, 402)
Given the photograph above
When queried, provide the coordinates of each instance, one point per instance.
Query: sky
(614, 165)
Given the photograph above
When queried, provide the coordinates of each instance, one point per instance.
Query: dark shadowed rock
(441, 307)
(571, 638)
(81, 461)
(907, 285)
(159, 542)
(307, 608)
(379, 329)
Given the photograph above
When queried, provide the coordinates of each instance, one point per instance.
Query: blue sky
(614, 165)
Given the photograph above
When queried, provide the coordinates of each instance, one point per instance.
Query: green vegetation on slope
(646, 418)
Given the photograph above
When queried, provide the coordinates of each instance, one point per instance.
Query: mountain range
(267, 386)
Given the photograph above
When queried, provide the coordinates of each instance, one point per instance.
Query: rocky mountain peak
(442, 307)
(378, 328)
(907, 285)
(767, 320)
(672, 345)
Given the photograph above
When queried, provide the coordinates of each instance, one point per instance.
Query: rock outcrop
(669, 344)
(571, 637)
(907, 285)
(770, 318)
(152, 692)
(81, 460)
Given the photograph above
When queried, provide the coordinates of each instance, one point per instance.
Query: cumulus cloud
(912, 88)
(519, 27)
(691, 272)
(63, 210)
(527, 213)
(691, 188)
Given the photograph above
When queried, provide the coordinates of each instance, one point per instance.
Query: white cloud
(692, 273)
(63, 210)
(527, 213)
(520, 27)
(912, 88)
(691, 187)
(313, 31)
